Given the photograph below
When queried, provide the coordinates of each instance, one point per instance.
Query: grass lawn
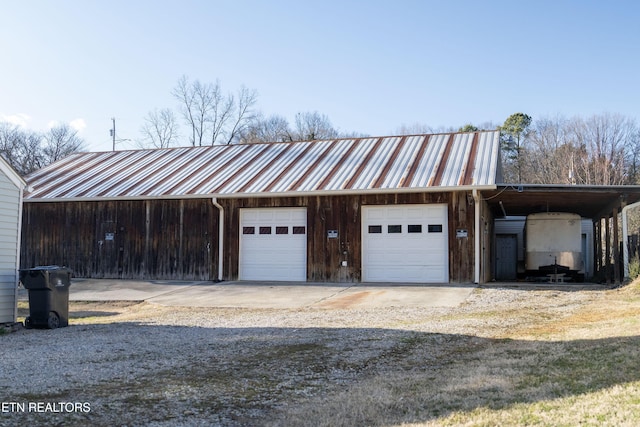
(583, 369)
(543, 359)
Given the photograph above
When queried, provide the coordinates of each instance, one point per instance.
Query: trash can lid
(44, 267)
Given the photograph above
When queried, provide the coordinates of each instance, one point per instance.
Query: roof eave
(273, 194)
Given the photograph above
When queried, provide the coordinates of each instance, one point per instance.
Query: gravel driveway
(131, 363)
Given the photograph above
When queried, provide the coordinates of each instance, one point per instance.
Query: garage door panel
(405, 243)
(273, 244)
(397, 274)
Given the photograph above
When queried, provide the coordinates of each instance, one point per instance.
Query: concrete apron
(269, 295)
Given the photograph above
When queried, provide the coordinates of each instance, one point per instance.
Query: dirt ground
(508, 356)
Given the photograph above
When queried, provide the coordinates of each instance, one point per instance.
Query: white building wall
(10, 220)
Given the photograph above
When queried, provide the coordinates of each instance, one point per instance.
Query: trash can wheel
(53, 321)
(27, 323)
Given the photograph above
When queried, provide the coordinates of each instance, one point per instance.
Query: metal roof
(384, 164)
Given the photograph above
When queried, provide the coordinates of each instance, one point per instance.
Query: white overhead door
(273, 244)
(405, 243)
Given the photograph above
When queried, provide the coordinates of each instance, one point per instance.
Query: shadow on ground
(138, 374)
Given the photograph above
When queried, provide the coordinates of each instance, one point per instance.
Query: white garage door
(273, 244)
(405, 243)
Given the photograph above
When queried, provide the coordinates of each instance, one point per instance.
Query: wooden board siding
(159, 239)
(177, 239)
(343, 214)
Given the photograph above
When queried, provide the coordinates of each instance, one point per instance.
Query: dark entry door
(506, 257)
(107, 262)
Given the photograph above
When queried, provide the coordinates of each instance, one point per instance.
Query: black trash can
(48, 288)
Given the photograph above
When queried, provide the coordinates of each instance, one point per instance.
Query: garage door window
(375, 229)
(299, 230)
(394, 229)
(248, 230)
(414, 228)
(435, 228)
(282, 230)
(265, 230)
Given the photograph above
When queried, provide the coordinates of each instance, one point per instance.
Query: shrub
(634, 268)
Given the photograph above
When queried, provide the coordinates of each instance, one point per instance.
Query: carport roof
(440, 162)
(589, 201)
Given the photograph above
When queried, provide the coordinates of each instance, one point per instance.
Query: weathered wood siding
(343, 213)
(177, 239)
(152, 239)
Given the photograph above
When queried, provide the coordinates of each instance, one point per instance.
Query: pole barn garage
(11, 187)
(374, 209)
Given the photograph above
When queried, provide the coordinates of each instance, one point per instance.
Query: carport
(604, 205)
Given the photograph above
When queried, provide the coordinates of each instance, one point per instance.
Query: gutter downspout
(625, 246)
(477, 236)
(217, 205)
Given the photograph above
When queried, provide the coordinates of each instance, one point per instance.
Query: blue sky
(370, 66)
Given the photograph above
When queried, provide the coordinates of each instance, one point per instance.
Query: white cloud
(19, 119)
(78, 124)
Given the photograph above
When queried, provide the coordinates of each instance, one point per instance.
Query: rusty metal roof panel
(289, 181)
(325, 171)
(457, 159)
(405, 157)
(346, 166)
(207, 165)
(119, 181)
(79, 172)
(487, 159)
(250, 169)
(288, 156)
(428, 163)
(179, 160)
(404, 163)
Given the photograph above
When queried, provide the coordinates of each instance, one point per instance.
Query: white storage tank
(554, 239)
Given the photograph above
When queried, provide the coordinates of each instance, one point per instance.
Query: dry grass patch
(557, 363)
(506, 357)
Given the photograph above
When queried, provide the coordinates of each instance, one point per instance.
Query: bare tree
(599, 150)
(10, 141)
(160, 129)
(311, 126)
(59, 142)
(21, 148)
(603, 139)
(244, 113)
(213, 116)
(414, 129)
(196, 101)
(551, 155)
(271, 129)
(28, 151)
(222, 108)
